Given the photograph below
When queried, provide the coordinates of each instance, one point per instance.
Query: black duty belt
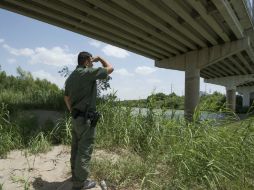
(93, 116)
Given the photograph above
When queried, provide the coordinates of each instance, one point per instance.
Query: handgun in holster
(94, 117)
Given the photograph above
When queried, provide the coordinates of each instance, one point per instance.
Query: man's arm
(68, 102)
(104, 63)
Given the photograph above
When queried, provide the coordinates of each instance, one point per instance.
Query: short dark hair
(83, 56)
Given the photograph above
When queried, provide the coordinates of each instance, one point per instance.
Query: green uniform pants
(83, 136)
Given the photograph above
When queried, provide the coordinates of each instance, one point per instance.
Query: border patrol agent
(80, 99)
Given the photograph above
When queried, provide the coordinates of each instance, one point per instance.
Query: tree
(172, 94)
(102, 85)
(64, 72)
(157, 97)
(23, 74)
(212, 102)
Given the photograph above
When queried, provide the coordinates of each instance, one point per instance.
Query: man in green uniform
(80, 97)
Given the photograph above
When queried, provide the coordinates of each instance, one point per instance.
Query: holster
(93, 116)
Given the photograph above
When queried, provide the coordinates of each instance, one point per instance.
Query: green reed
(162, 152)
(180, 155)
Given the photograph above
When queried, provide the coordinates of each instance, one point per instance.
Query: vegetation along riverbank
(155, 152)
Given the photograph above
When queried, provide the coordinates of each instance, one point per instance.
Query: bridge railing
(250, 7)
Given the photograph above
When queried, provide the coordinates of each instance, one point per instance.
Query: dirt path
(43, 171)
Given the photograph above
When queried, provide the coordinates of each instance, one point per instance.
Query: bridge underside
(156, 29)
(247, 84)
(240, 63)
(207, 38)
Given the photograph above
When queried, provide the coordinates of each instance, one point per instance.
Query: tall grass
(21, 131)
(39, 143)
(10, 137)
(25, 92)
(61, 133)
(34, 99)
(176, 154)
(161, 153)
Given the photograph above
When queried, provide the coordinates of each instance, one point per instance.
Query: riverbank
(156, 152)
(44, 171)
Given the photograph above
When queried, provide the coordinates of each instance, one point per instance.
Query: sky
(44, 49)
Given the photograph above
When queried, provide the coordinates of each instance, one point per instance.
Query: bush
(10, 135)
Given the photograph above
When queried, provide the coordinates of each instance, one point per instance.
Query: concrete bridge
(212, 39)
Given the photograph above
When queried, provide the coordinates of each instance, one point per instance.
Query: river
(180, 114)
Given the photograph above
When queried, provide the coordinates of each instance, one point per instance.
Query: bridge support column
(246, 99)
(192, 85)
(247, 93)
(233, 84)
(231, 98)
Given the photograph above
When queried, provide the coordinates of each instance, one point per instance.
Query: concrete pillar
(248, 95)
(252, 98)
(246, 99)
(192, 85)
(231, 98)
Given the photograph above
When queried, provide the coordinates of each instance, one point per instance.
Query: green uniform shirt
(82, 88)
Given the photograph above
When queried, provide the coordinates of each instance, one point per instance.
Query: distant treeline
(208, 102)
(212, 102)
(25, 92)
